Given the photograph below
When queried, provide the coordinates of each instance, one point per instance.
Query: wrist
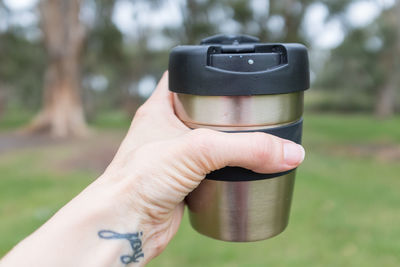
(128, 220)
(94, 229)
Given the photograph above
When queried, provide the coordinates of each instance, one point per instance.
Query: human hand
(162, 161)
(133, 210)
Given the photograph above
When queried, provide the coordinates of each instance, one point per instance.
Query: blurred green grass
(14, 118)
(345, 208)
(30, 193)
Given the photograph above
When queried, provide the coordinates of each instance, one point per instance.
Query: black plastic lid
(238, 65)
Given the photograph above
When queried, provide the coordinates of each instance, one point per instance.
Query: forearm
(88, 231)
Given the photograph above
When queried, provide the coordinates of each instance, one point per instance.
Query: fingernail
(293, 154)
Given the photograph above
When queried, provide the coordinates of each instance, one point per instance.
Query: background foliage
(346, 201)
(348, 75)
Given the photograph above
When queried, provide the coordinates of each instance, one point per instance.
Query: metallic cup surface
(240, 211)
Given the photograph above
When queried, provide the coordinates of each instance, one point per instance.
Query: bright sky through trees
(324, 34)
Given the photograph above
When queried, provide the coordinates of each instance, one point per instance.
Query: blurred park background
(73, 72)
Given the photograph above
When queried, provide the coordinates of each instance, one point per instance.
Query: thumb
(182, 163)
(179, 165)
(260, 152)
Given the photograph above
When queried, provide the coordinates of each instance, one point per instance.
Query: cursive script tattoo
(135, 239)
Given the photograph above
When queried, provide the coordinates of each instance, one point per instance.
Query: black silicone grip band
(291, 132)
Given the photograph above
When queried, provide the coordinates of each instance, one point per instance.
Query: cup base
(241, 211)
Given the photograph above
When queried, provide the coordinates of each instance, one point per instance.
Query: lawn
(345, 212)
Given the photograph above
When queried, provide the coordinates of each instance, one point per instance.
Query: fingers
(161, 99)
(259, 152)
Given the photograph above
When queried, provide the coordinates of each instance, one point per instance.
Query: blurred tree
(196, 24)
(120, 60)
(62, 114)
(22, 62)
(113, 63)
(351, 74)
(292, 13)
(3, 98)
(104, 58)
(390, 63)
(363, 69)
(281, 22)
(202, 18)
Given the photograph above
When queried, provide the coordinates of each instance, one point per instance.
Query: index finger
(161, 98)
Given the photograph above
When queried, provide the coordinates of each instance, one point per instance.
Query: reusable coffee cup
(233, 83)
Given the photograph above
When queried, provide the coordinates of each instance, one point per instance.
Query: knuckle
(142, 112)
(201, 143)
(200, 139)
(263, 147)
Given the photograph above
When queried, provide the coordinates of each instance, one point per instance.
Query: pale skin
(130, 213)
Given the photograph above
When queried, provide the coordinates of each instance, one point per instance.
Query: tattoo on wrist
(135, 239)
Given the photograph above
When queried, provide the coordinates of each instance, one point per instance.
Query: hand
(132, 211)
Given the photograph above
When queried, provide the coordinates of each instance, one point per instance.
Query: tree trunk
(385, 103)
(3, 100)
(62, 113)
(386, 96)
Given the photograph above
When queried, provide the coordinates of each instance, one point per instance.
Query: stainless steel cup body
(245, 210)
